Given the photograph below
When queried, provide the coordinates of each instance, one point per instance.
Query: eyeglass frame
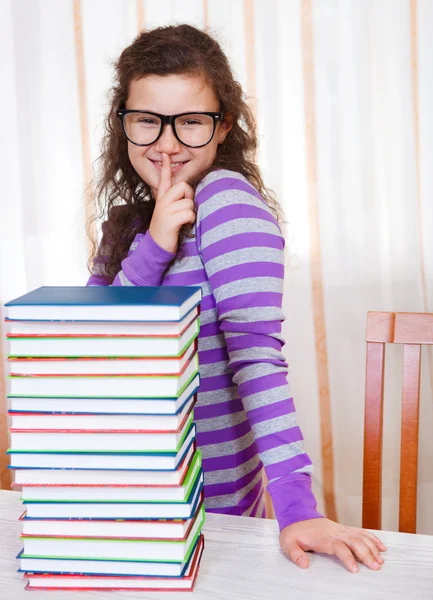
(169, 120)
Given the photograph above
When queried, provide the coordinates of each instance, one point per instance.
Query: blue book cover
(111, 295)
(161, 303)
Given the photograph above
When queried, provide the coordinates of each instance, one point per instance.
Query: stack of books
(102, 387)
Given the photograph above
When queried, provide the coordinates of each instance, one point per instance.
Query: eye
(191, 122)
(147, 121)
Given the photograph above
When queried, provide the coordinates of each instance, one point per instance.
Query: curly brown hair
(124, 201)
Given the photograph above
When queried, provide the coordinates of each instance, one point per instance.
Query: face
(170, 95)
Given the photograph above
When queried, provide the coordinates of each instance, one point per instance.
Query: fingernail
(302, 561)
(376, 565)
(355, 569)
(380, 559)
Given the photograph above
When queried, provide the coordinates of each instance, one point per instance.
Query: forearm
(261, 375)
(143, 266)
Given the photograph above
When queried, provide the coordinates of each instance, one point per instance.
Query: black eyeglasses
(194, 130)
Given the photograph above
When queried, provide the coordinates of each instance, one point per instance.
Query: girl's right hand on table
(174, 207)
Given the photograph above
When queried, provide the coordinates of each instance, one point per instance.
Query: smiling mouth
(173, 164)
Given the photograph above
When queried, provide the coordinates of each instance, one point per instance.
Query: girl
(185, 204)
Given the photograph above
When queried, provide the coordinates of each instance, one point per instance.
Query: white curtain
(343, 99)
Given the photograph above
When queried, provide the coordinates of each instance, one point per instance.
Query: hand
(174, 206)
(323, 535)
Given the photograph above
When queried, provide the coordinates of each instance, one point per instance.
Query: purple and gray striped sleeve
(143, 266)
(243, 254)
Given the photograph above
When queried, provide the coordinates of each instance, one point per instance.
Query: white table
(242, 561)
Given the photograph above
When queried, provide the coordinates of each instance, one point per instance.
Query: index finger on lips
(165, 178)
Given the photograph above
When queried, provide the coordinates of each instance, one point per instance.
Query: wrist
(161, 241)
(148, 262)
(293, 499)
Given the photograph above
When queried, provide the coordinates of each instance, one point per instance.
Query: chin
(185, 176)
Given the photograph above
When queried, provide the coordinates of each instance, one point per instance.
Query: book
(151, 461)
(117, 528)
(104, 346)
(100, 441)
(106, 405)
(114, 549)
(118, 510)
(89, 422)
(80, 567)
(105, 303)
(38, 476)
(96, 328)
(50, 581)
(115, 493)
(126, 386)
(101, 366)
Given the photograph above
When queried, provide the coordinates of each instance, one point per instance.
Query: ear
(224, 128)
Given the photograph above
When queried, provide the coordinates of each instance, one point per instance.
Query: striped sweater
(245, 413)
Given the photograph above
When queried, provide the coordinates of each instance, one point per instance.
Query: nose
(168, 142)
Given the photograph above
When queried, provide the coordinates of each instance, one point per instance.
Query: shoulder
(228, 206)
(227, 189)
(220, 181)
(224, 176)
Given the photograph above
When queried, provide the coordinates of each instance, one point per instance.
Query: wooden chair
(412, 330)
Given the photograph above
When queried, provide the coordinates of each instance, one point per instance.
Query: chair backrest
(412, 330)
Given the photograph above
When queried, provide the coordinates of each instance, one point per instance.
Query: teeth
(158, 162)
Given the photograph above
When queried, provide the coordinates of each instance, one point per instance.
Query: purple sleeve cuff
(98, 280)
(147, 263)
(293, 499)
